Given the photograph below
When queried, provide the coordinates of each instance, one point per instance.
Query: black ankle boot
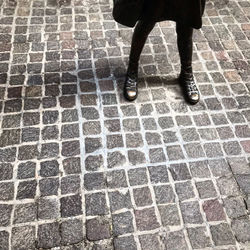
(130, 86)
(188, 86)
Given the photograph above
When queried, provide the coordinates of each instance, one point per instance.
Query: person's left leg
(185, 47)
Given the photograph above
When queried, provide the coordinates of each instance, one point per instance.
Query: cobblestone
(98, 229)
(48, 208)
(124, 243)
(122, 223)
(49, 186)
(206, 189)
(71, 231)
(149, 241)
(222, 235)
(184, 190)
(23, 237)
(191, 212)
(199, 237)
(146, 219)
(241, 228)
(175, 240)
(96, 204)
(80, 168)
(25, 213)
(119, 200)
(48, 235)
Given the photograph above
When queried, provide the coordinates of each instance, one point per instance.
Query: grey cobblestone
(48, 208)
(4, 240)
(80, 168)
(98, 229)
(146, 219)
(48, 235)
(25, 213)
(222, 234)
(125, 243)
(71, 231)
(49, 186)
(175, 240)
(119, 200)
(149, 241)
(122, 223)
(191, 212)
(199, 237)
(206, 189)
(184, 190)
(5, 213)
(23, 237)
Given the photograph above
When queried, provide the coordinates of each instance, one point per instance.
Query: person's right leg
(185, 47)
(141, 32)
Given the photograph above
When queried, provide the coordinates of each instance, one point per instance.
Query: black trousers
(184, 43)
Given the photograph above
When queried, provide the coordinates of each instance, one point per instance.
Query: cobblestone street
(81, 168)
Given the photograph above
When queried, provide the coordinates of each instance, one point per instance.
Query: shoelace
(190, 83)
(192, 88)
(131, 84)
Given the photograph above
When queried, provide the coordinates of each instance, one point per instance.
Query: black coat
(188, 12)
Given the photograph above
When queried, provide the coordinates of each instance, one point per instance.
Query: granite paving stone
(137, 176)
(82, 168)
(136, 157)
(71, 205)
(71, 231)
(119, 200)
(158, 174)
(241, 228)
(184, 190)
(199, 237)
(25, 213)
(199, 169)
(97, 229)
(164, 194)
(222, 234)
(5, 213)
(191, 212)
(49, 235)
(26, 189)
(4, 240)
(206, 189)
(146, 219)
(23, 237)
(94, 181)
(125, 243)
(49, 186)
(149, 241)
(175, 240)
(142, 196)
(48, 208)
(180, 172)
(96, 204)
(213, 210)
(122, 223)
(169, 215)
(7, 191)
(115, 159)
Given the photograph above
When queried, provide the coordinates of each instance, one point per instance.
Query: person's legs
(141, 32)
(185, 47)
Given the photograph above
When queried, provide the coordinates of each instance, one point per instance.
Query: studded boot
(131, 82)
